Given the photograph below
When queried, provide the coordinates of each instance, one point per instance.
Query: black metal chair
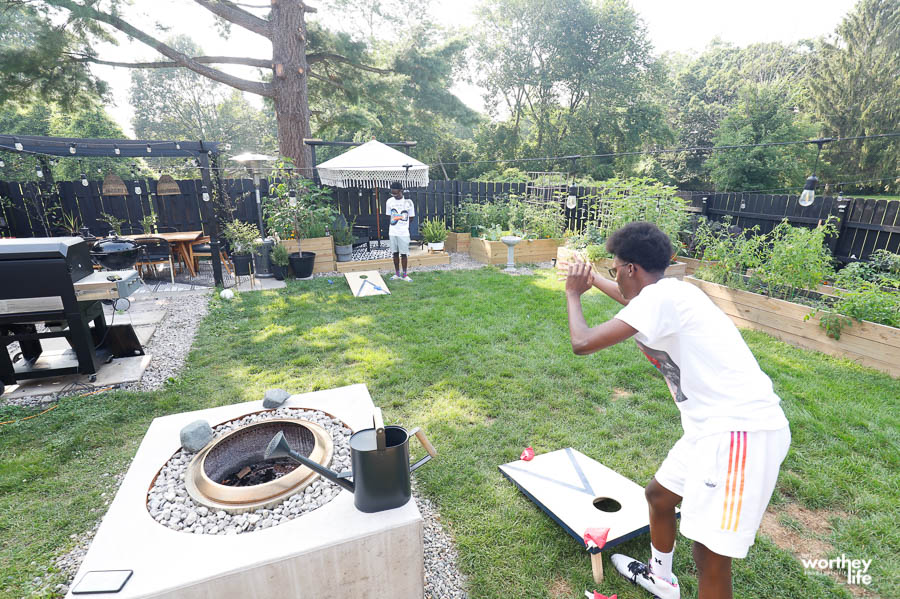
(155, 251)
(203, 249)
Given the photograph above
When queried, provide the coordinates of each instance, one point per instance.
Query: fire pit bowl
(216, 475)
(115, 253)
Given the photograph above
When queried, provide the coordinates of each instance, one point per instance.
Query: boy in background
(400, 210)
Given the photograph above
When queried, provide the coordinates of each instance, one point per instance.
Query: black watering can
(379, 458)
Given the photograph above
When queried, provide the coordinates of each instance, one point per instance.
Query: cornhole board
(365, 283)
(575, 491)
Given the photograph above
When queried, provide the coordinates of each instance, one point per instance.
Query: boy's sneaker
(395, 277)
(406, 278)
(639, 574)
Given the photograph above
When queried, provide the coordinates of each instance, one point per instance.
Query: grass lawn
(482, 362)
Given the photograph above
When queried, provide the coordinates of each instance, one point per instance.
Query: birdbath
(510, 241)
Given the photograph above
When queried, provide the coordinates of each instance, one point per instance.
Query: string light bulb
(18, 145)
(84, 181)
(38, 171)
(292, 198)
(149, 149)
(72, 149)
(117, 150)
(2, 164)
(204, 193)
(572, 199)
(177, 146)
(808, 195)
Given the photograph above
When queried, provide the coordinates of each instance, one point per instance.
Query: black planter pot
(302, 265)
(278, 271)
(241, 264)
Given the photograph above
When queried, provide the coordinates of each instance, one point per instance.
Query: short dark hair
(397, 185)
(641, 243)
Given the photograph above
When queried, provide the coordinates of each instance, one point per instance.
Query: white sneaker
(406, 278)
(639, 574)
(395, 277)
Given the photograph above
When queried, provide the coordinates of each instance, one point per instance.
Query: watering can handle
(429, 448)
(379, 429)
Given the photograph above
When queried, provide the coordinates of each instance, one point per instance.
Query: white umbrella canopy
(373, 164)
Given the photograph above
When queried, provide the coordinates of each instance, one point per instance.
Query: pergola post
(208, 214)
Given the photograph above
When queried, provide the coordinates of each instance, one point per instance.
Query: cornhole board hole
(366, 283)
(578, 493)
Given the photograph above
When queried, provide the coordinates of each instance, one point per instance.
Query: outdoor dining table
(180, 241)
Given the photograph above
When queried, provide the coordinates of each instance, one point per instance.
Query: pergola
(206, 154)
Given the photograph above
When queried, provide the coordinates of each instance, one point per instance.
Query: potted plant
(343, 242)
(280, 261)
(434, 233)
(115, 224)
(296, 210)
(148, 224)
(244, 240)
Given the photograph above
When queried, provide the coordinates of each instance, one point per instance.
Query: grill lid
(37, 247)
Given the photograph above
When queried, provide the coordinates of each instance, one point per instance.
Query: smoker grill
(52, 281)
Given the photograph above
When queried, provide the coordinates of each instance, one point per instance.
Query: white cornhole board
(565, 483)
(366, 283)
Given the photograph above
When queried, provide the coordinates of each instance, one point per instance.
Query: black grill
(37, 285)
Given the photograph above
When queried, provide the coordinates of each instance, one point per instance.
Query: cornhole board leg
(366, 283)
(578, 493)
(597, 567)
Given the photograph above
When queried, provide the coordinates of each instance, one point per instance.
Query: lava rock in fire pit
(274, 398)
(196, 435)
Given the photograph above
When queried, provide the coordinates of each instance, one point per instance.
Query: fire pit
(232, 474)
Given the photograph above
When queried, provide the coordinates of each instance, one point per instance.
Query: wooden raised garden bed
(565, 254)
(458, 242)
(873, 345)
(323, 248)
(527, 250)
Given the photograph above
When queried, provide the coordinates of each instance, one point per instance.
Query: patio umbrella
(375, 165)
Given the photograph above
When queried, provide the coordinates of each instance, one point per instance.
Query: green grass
(482, 362)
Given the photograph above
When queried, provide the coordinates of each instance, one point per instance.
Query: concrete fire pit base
(334, 551)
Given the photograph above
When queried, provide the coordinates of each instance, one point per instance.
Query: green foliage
(796, 258)
(870, 302)
(114, 223)
(855, 91)
(590, 235)
(279, 255)
(504, 175)
(762, 114)
(243, 237)
(148, 224)
(542, 222)
(309, 214)
(728, 254)
(622, 201)
(343, 235)
(433, 230)
(595, 252)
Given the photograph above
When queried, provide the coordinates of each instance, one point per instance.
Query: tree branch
(230, 12)
(325, 57)
(327, 80)
(80, 10)
(250, 62)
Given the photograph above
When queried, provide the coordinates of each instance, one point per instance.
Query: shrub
(279, 255)
(243, 237)
(797, 258)
(434, 231)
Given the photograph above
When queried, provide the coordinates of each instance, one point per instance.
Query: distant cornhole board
(580, 493)
(366, 283)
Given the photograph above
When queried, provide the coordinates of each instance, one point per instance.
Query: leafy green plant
(728, 254)
(305, 214)
(114, 223)
(148, 224)
(343, 235)
(244, 237)
(434, 231)
(280, 255)
(540, 222)
(493, 233)
(855, 275)
(596, 252)
(797, 259)
(871, 303)
(70, 223)
(621, 201)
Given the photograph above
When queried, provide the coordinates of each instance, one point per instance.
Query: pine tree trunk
(289, 82)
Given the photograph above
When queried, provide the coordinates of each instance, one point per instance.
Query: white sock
(661, 563)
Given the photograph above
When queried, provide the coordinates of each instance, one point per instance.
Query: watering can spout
(278, 448)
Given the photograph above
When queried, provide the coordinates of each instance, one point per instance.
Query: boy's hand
(579, 278)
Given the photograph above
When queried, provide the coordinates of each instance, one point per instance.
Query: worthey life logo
(855, 569)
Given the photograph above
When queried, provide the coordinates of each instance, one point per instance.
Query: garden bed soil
(323, 247)
(458, 242)
(866, 343)
(527, 251)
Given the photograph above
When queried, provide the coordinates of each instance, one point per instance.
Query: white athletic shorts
(725, 481)
(399, 245)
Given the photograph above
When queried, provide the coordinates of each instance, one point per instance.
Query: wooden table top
(178, 236)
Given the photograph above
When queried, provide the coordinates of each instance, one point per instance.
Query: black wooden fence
(864, 224)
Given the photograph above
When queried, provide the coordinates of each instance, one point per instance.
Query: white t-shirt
(400, 212)
(714, 379)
